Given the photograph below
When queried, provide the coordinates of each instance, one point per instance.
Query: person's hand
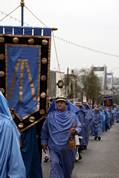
(72, 130)
(44, 147)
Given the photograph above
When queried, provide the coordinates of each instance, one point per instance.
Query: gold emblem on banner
(43, 95)
(2, 73)
(15, 40)
(23, 65)
(2, 40)
(44, 60)
(20, 125)
(42, 111)
(2, 56)
(32, 119)
(31, 41)
(44, 42)
(43, 77)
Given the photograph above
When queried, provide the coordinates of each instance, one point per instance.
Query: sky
(89, 23)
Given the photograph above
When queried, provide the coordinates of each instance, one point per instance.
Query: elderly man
(58, 133)
(11, 164)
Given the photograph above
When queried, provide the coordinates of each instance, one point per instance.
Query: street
(100, 160)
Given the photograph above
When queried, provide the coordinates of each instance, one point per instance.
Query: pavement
(100, 160)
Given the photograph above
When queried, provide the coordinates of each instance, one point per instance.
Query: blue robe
(81, 116)
(97, 124)
(113, 115)
(103, 121)
(117, 115)
(107, 119)
(31, 153)
(11, 163)
(88, 122)
(55, 134)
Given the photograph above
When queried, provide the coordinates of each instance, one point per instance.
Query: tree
(91, 87)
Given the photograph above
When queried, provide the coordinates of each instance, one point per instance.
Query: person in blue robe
(81, 116)
(57, 134)
(113, 110)
(103, 119)
(117, 114)
(88, 123)
(11, 163)
(97, 124)
(108, 119)
(31, 150)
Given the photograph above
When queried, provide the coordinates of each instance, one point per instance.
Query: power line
(75, 44)
(9, 13)
(56, 55)
(87, 48)
(68, 41)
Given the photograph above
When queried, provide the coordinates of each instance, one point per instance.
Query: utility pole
(105, 80)
(22, 12)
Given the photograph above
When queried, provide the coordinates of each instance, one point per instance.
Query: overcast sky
(90, 23)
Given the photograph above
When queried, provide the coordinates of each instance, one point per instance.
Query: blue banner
(23, 78)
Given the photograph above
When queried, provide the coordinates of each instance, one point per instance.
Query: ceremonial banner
(23, 78)
(24, 72)
(108, 102)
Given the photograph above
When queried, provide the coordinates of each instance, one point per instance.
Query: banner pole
(22, 12)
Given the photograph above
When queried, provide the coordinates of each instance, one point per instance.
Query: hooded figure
(11, 163)
(81, 115)
(88, 123)
(97, 124)
(57, 134)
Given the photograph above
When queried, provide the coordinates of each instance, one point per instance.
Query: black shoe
(80, 157)
(95, 138)
(85, 147)
(81, 147)
(99, 138)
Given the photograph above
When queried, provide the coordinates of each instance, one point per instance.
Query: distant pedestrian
(97, 124)
(88, 123)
